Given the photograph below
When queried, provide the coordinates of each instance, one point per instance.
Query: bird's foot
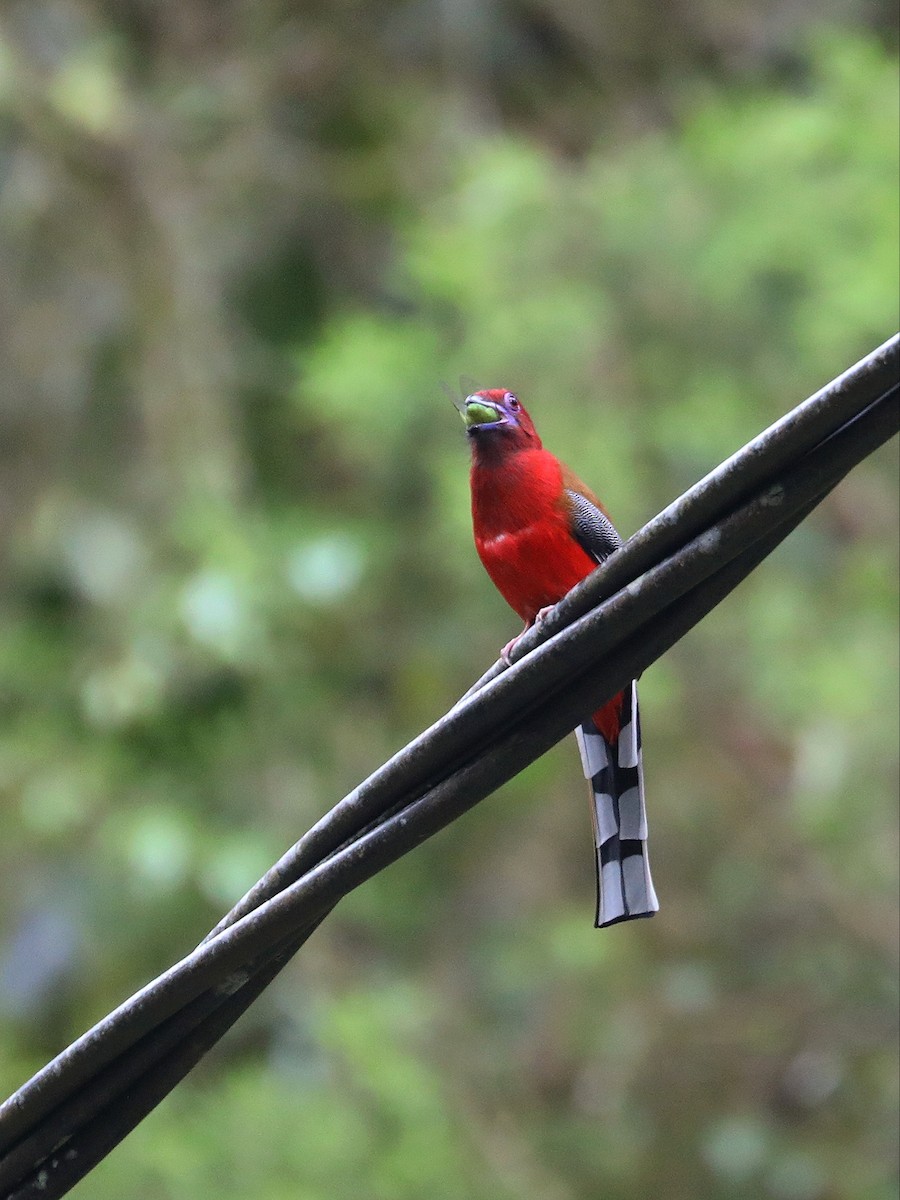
(510, 646)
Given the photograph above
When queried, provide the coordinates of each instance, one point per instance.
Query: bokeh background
(241, 245)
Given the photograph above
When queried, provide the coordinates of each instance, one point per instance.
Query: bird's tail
(613, 768)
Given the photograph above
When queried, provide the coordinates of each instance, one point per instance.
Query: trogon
(538, 531)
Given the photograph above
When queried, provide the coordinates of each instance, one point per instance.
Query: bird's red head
(496, 422)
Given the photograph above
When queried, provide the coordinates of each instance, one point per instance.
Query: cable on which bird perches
(609, 629)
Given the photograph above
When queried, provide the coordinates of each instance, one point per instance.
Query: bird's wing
(591, 527)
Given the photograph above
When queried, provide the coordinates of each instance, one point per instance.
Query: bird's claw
(507, 650)
(509, 647)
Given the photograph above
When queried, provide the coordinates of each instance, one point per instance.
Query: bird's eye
(512, 401)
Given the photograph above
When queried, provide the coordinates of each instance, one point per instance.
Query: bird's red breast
(522, 527)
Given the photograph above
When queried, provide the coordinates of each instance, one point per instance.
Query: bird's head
(496, 420)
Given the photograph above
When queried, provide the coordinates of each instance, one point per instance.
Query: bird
(538, 531)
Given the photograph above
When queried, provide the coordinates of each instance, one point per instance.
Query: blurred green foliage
(240, 248)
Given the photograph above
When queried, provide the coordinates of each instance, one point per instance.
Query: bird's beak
(479, 411)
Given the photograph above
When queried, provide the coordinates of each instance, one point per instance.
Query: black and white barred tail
(624, 887)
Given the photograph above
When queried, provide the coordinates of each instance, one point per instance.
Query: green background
(241, 246)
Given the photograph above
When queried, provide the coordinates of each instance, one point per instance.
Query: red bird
(538, 531)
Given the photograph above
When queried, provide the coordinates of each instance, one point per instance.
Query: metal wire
(59, 1124)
